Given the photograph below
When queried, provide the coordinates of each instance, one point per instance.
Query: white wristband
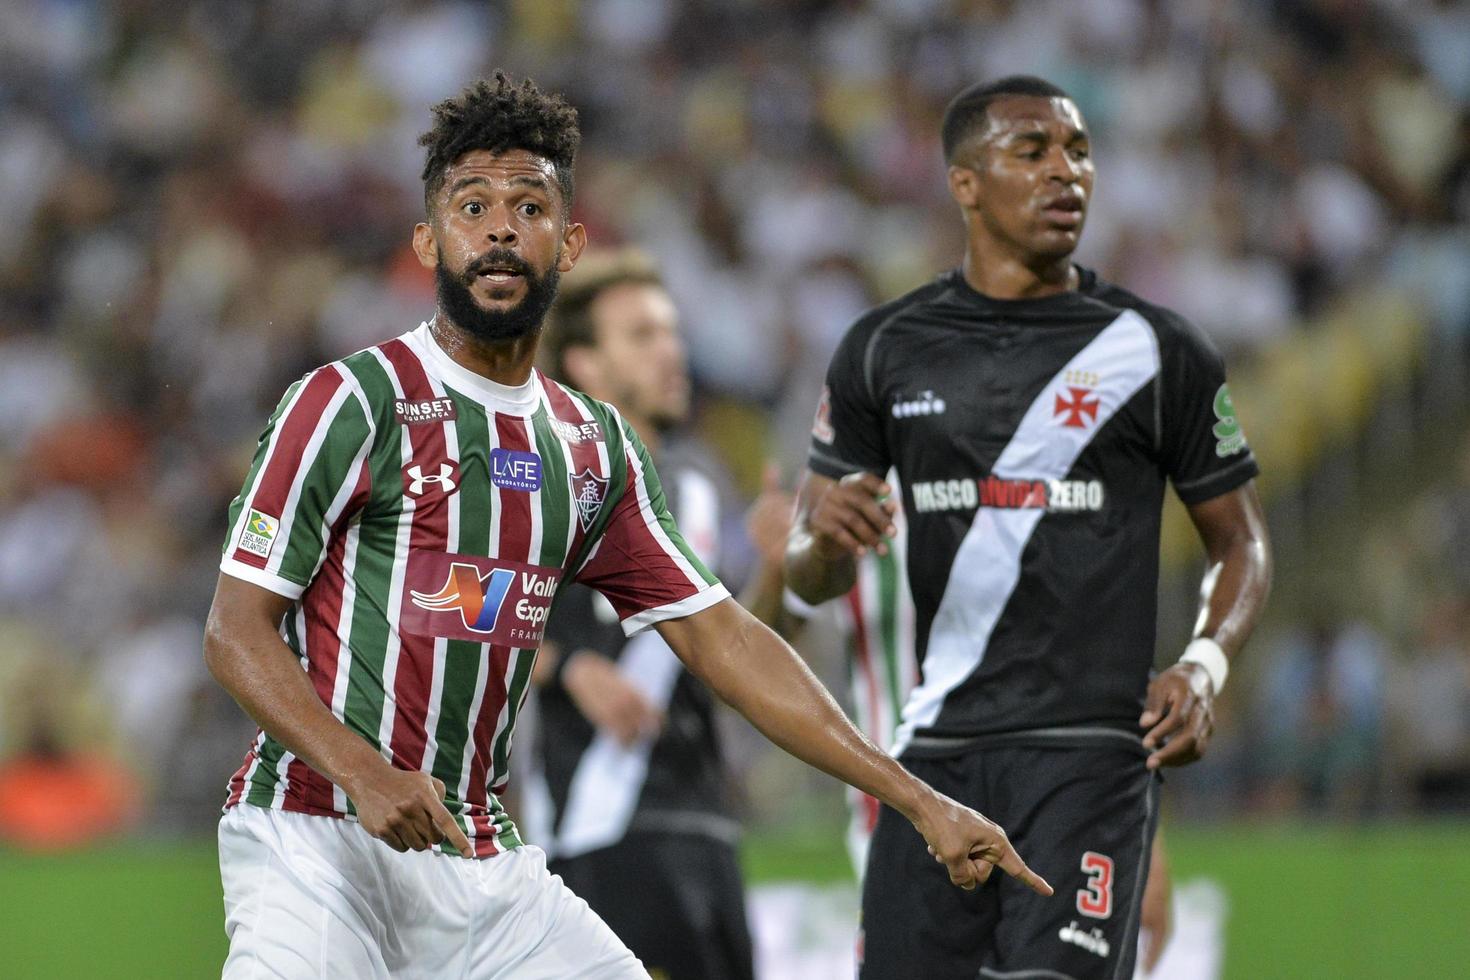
(1207, 653)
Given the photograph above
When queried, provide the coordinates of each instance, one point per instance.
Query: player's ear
(964, 185)
(574, 239)
(425, 246)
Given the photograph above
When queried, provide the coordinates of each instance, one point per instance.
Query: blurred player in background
(410, 514)
(1033, 414)
(630, 793)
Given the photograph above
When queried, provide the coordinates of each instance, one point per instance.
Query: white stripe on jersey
(987, 566)
(249, 495)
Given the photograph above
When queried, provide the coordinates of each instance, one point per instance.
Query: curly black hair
(497, 116)
(966, 113)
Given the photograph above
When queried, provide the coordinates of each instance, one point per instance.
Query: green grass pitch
(1378, 902)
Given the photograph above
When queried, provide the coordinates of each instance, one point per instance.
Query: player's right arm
(246, 654)
(308, 477)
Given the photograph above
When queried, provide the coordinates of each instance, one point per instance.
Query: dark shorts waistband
(1069, 736)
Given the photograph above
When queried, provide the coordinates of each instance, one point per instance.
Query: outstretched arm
(837, 521)
(249, 659)
(1179, 711)
(755, 672)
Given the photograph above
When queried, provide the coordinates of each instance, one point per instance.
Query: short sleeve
(1203, 448)
(847, 433)
(641, 562)
(308, 472)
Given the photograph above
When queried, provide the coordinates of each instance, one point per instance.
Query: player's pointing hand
(971, 846)
(854, 515)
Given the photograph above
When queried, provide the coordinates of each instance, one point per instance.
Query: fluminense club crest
(588, 492)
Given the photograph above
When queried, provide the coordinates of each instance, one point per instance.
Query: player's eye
(1080, 153)
(530, 209)
(474, 208)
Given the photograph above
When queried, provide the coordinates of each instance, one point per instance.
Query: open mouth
(1066, 210)
(499, 276)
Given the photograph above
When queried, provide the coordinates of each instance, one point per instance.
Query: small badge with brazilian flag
(259, 534)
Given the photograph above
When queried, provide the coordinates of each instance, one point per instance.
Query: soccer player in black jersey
(1033, 413)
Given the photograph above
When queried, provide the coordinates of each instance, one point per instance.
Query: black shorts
(1082, 818)
(676, 900)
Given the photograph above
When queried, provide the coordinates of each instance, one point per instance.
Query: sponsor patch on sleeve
(822, 425)
(259, 534)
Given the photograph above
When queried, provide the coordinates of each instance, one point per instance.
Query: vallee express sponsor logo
(466, 598)
(1093, 940)
(424, 410)
(966, 493)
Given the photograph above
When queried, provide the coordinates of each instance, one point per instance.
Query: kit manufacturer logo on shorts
(512, 469)
(486, 600)
(576, 432)
(258, 535)
(1091, 940)
(588, 491)
(425, 410)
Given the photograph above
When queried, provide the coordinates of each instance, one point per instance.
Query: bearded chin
(495, 326)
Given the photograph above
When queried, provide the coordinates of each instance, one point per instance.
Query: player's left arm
(1179, 709)
(755, 672)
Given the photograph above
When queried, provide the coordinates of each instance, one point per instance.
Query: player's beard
(496, 326)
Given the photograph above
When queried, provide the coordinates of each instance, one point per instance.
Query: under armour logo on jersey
(416, 482)
(1075, 408)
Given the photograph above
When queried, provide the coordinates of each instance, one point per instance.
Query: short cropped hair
(966, 113)
(569, 323)
(498, 115)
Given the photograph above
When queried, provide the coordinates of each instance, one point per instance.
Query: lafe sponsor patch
(259, 534)
(512, 469)
(486, 600)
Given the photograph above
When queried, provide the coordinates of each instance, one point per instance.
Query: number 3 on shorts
(1096, 900)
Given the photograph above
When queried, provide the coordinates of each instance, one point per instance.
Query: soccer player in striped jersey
(411, 512)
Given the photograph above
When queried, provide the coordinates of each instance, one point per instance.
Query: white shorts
(310, 897)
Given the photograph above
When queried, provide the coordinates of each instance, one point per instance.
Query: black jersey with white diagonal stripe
(1032, 439)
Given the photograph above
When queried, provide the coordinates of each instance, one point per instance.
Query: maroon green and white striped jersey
(423, 518)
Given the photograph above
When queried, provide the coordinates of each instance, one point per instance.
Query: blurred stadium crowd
(201, 200)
